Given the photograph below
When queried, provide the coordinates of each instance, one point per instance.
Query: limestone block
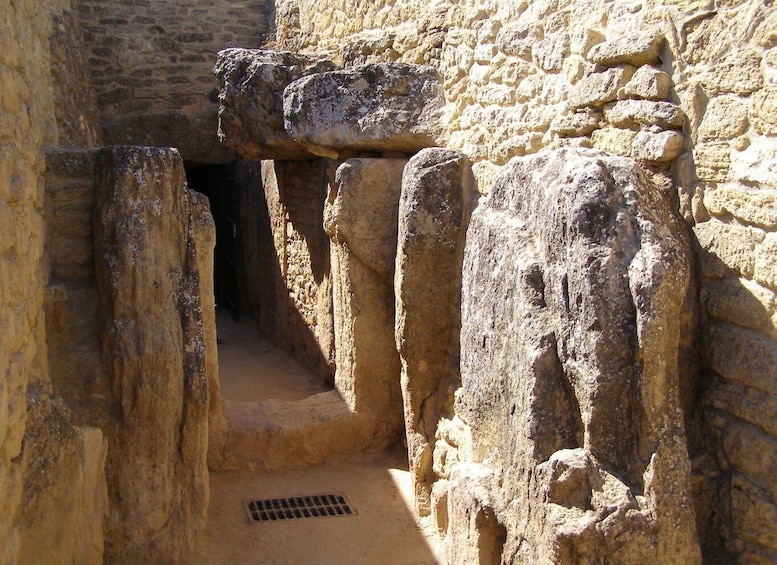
(741, 301)
(738, 73)
(251, 83)
(598, 88)
(637, 49)
(636, 113)
(549, 53)
(751, 452)
(647, 83)
(713, 161)
(154, 351)
(382, 107)
(474, 533)
(361, 219)
(758, 208)
(518, 39)
(579, 123)
(614, 140)
(754, 164)
(437, 188)
(727, 248)
(753, 518)
(574, 266)
(725, 118)
(745, 403)
(64, 500)
(764, 110)
(743, 356)
(766, 262)
(658, 147)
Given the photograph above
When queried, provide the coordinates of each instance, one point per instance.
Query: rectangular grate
(306, 506)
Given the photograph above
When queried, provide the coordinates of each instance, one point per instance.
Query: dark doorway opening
(217, 182)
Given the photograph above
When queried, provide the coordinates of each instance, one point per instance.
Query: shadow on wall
(283, 272)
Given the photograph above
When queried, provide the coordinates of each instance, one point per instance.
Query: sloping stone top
(374, 107)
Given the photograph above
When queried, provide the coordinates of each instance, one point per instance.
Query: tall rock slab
(576, 277)
(361, 219)
(437, 187)
(155, 353)
(374, 107)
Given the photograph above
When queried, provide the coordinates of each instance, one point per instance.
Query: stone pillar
(433, 213)
(361, 219)
(155, 353)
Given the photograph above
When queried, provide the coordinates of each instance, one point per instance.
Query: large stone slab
(251, 84)
(361, 219)
(437, 188)
(576, 283)
(374, 107)
(155, 353)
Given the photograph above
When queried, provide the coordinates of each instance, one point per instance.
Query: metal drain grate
(307, 506)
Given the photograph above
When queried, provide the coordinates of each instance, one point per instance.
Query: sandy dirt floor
(384, 531)
(252, 369)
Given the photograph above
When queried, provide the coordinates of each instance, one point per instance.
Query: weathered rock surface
(65, 498)
(251, 84)
(155, 353)
(361, 219)
(374, 107)
(437, 188)
(574, 287)
(636, 49)
(192, 136)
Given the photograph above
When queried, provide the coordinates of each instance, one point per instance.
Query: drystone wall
(150, 62)
(26, 119)
(685, 88)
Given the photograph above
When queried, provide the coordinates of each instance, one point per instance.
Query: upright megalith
(361, 219)
(155, 352)
(434, 207)
(374, 107)
(576, 280)
(251, 84)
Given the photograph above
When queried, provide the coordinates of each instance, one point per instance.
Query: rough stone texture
(193, 137)
(437, 188)
(65, 498)
(661, 147)
(361, 219)
(598, 88)
(155, 353)
(636, 113)
(649, 84)
(567, 281)
(151, 67)
(75, 104)
(251, 84)
(380, 107)
(639, 49)
(27, 123)
(284, 258)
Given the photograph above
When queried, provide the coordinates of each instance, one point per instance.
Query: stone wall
(26, 124)
(688, 89)
(150, 62)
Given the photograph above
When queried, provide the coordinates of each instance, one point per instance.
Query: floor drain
(307, 506)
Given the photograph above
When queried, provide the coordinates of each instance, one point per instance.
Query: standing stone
(361, 219)
(251, 83)
(434, 208)
(155, 353)
(576, 276)
(374, 107)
